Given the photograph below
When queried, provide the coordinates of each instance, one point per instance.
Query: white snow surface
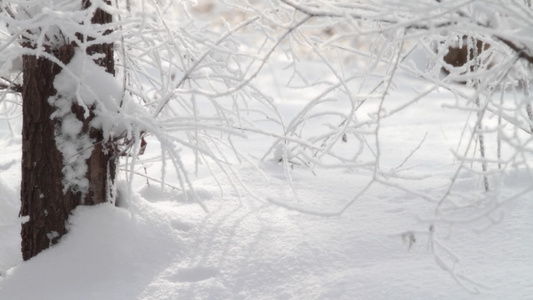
(164, 246)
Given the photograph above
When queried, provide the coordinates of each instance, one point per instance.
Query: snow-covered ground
(162, 245)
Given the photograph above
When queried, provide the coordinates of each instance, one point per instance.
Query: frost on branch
(50, 23)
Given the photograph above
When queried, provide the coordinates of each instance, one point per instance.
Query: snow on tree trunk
(46, 197)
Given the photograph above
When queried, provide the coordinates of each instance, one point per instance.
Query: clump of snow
(76, 147)
(87, 84)
(92, 87)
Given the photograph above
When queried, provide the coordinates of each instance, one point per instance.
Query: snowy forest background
(311, 149)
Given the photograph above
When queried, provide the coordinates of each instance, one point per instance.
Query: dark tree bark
(43, 198)
(457, 57)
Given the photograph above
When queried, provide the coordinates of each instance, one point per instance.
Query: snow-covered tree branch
(321, 85)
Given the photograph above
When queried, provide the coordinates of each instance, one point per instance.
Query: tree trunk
(458, 57)
(43, 197)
